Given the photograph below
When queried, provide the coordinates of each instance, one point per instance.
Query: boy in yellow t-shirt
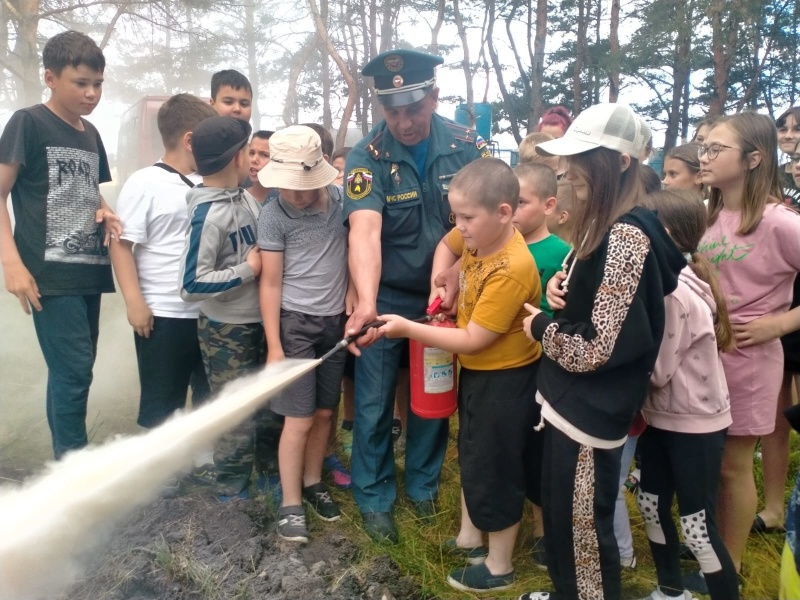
(497, 382)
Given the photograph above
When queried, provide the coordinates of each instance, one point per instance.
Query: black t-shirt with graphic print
(55, 198)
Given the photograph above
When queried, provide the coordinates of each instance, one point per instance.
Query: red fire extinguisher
(433, 375)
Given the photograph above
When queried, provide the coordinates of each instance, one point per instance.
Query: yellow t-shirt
(492, 291)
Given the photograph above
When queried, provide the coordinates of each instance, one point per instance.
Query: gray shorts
(308, 336)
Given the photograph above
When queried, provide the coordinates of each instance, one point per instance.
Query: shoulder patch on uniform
(359, 183)
(480, 143)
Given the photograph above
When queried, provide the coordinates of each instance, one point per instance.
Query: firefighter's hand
(447, 281)
(395, 327)
(363, 314)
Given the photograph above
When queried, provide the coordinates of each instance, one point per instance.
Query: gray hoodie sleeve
(200, 277)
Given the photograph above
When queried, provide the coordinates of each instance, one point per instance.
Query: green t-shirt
(548, 254)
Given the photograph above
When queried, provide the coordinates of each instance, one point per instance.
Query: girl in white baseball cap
(599, 348)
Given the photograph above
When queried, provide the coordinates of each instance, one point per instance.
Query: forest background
(674, 61)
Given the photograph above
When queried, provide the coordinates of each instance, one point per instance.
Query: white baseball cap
(296, 161)
(612, 126)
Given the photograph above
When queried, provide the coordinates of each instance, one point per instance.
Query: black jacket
(599, 351)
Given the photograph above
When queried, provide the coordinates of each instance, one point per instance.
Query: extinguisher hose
(351, 338)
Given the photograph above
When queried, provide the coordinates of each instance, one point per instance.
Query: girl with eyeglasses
(755, 243)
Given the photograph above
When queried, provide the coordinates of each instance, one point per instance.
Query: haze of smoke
(49, 525)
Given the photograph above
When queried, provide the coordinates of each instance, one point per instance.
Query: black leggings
(579, 495)
(687, 465)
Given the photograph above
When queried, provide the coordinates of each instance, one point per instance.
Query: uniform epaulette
(375, 146)
(462, 133)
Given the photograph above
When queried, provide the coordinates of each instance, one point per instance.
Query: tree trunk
(724, 37)
(523, 71)
(290, 108)
(352, 89)
(613, 38)
(375, 107)
(252, 58)
(537, 68)
(27, 51)
(498, 71)
(681, 69)
(465, 63)
(433, 47)
(325, 64)
(580, 56)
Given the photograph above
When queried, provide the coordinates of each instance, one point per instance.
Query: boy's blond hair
(488, 182)
(539, 177)
(527, 147)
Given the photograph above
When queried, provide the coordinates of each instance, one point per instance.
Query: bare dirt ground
(194, 547)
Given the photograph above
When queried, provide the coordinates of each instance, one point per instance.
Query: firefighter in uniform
(397, 211)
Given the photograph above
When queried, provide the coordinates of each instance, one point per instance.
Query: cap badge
(397, 81)
(393, 63)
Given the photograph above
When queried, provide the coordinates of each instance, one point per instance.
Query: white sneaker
(535, 596)
(628, 563)
(659, 595)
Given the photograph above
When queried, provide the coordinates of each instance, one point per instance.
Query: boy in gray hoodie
(219, 267)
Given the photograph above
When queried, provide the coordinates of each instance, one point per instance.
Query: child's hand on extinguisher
(396, 326)
(526, 323)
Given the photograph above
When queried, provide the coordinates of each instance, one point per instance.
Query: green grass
(419, 555)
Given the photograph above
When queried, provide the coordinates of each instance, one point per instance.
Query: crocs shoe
(338, 472)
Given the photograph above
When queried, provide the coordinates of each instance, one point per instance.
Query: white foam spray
(49, 525)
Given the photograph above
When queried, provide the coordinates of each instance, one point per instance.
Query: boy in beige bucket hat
(303, 285)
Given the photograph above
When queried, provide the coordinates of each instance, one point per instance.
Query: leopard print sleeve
(581, 348)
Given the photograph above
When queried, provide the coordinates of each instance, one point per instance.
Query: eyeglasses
(713, 150)
(795, 159)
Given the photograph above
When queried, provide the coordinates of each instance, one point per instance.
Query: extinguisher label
(439, 367)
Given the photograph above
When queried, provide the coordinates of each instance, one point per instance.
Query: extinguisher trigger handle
(434, 307)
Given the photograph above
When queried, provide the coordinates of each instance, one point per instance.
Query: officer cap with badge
(402, 77)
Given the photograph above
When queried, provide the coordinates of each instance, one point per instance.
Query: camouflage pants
(230, 351)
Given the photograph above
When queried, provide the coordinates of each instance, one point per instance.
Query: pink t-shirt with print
(756, 272)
